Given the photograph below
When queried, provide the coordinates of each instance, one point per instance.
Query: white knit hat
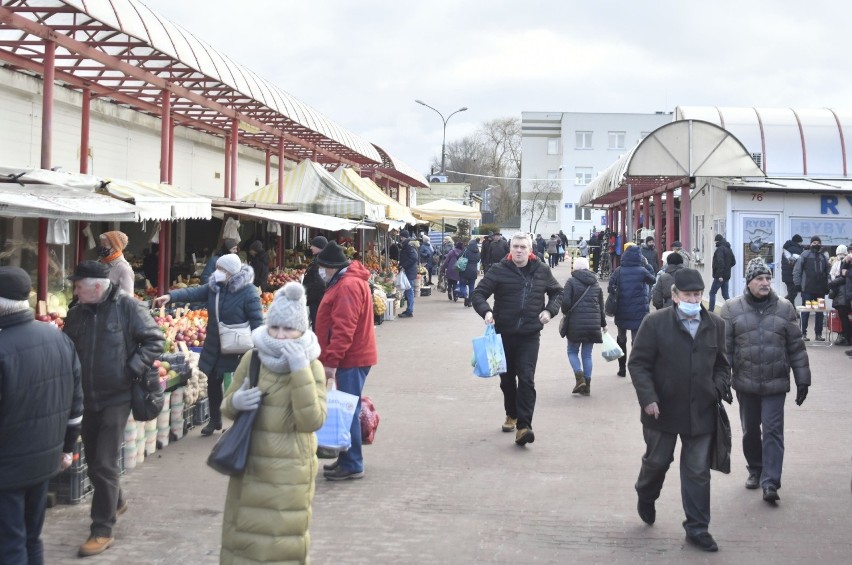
(841, 250)
(289, 308)
(230, 263)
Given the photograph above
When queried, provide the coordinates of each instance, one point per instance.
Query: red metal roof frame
(396, 171)
(640, 186)
(94, 55)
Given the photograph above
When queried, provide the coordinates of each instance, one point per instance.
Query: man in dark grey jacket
(117, 340)
(680, 371)
(810, 275)
(763, 343)
(520, 286)
(41, 407)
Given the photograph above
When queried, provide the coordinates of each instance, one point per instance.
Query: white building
(562, 152)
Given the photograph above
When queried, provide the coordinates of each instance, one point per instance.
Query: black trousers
(21, 520)
(845, 324)
(518, 382)
(103, 432)
(621, 340)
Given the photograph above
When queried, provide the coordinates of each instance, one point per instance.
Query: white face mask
(219, 276)
(689, 309)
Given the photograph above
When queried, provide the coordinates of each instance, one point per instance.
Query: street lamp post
(444, 139)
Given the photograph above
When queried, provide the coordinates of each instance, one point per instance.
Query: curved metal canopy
(399, 170)
(670, 154)
(121, 50)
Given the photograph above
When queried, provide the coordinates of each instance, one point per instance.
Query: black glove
(724, 393)
(801, 394)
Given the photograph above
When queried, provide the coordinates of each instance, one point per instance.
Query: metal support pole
(171, 168)
(281, 170)
(685, 218)
(670, 232)
(235, 151)
(227, 193)
(162, 277)
(268, 167)
(84, 131)
(658, 225)
(165, 115)
(46, 158)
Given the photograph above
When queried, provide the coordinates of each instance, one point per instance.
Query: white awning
(61, 202)
(307, 219)
(160, 201)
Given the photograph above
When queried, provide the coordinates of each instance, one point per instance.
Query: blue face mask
(689, 309)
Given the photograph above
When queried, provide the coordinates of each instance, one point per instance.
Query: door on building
(756, 235)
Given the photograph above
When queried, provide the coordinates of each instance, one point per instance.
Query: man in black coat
(723, 262)
(791, 251)
(117, 341)
(313, 283)
(499, 249)
(519, 286)
(810, 275)
(408, 262)
(41, 407)
(259, 261)
(680, 371)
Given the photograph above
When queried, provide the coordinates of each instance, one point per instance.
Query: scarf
(112, 257)
(269, 349)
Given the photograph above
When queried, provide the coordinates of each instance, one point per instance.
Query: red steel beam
(46, 159)
(164, 137)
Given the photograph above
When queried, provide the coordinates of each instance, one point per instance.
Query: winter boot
(450, 293)
(581, 382)
(588, 390)
(211, 427)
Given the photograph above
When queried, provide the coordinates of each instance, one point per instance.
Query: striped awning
(160, 201)
(311, 188)
(307, 219)
(371, 192)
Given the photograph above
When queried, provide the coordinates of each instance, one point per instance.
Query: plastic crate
(188, 415)
(71, 486)
(201, 412)
(425, 291)
(834, 321)
(390, 313)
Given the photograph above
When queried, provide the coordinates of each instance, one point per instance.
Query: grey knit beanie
(755, 268)
(289, 308)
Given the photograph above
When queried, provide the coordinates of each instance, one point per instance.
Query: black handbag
(146, 397)
(563, 323)
(230, 454)
(720, 448)
(611, 305)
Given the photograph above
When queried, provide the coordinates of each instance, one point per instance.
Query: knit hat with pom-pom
(289, 309)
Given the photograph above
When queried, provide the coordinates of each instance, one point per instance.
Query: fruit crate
(201, 412)
(71, 486)
(188, 418)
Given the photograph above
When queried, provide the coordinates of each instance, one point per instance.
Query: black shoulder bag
(230, 454)
(563, 323)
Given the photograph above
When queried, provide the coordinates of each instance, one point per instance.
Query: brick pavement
(444, 485)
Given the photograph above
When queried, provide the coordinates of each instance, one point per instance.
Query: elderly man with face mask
(764, 343)
(680, 371)
(117, 340)
(347, 339)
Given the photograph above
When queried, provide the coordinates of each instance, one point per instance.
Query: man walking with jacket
(790, 254)
(117, 340)
(810, 275)
(408, 262)
(723, 262)
(519, 286)
(764, 343)
(680, 372)
(41, 407)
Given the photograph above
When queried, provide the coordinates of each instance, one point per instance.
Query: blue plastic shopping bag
(334, 433)
(489, 358)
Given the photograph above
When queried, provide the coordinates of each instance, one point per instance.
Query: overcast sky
(362, 63)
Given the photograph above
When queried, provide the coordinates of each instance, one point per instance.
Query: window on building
(553, 146)
(582, 175)
(584, 140)
(616, 139)
(582, 213)
(552, 178)
(551, 212)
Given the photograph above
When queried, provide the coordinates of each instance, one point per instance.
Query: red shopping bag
(369, 420)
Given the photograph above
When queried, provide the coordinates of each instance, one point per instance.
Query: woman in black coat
(583, 306)
(468, 276)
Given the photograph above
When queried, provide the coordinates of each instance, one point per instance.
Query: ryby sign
(832, 231)
(829, 204)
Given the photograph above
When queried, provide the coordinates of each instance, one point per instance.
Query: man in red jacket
(345, 332)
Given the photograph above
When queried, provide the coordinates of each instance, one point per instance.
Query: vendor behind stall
(228, 246)
(259, 261)
(111, 253)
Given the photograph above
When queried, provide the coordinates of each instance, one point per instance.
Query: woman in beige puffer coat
(268, 509)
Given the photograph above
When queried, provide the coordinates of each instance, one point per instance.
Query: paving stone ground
(444, 485)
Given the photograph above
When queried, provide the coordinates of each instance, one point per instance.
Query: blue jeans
(694, 474)
(21, 520)
(470, 283)
(820, 317)
(574, 357)
(714, 288)
(764, 452)
(352, 381)
(409, 299)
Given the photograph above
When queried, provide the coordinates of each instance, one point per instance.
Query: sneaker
(753, 481)
(647, 511)
(340, 474)
(770, 494)
(841, 341)
(122, 508)
(524, 436)
(331, 466)
(703, 541)
(94, 545)
(820, 338)
(406, 315)
(805, 337)
(509, 424)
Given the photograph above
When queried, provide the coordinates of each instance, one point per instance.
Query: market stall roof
(307, 219)
(159, 201)
(443, 208)
(311, 188)
(369, 190)
(398, 170)
(671, 155)
(29, 200)
(123, 51)
(787, 184)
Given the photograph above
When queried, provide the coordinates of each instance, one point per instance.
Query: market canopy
(370, 191)
(159, 201)
(307, 219)
(311, 188)
(61, 203)
(443, 208)
(672, 154)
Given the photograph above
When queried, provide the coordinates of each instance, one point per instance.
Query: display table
(827, 332)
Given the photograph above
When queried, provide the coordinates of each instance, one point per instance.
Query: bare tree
(540, 195)
(505, 203)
